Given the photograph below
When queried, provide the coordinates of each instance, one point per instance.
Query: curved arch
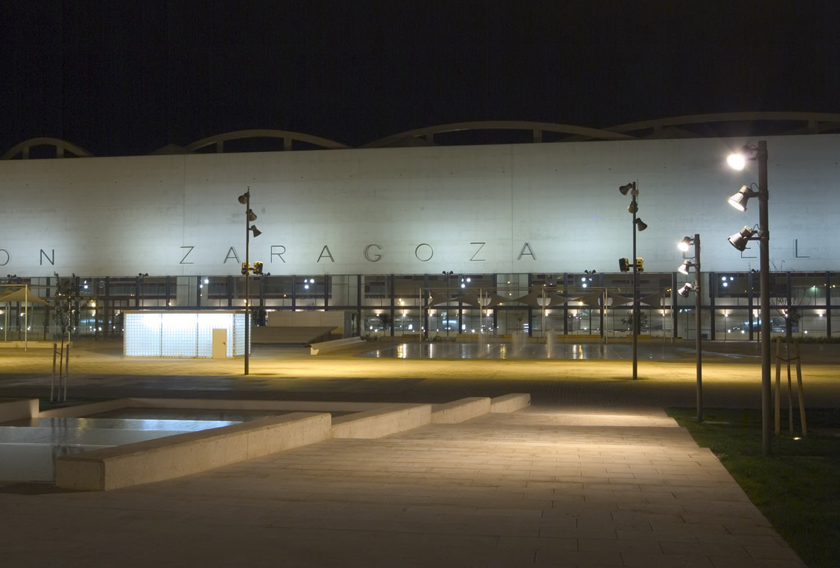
(287, 136)
(60, 146)
(536, 127)
(812, 120)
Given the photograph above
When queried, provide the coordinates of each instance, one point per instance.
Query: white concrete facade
(523, 208)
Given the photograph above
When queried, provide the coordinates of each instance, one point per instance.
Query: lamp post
(250, 216)
(739, 241)
(637, 265)
(446, 321)
(683, 269)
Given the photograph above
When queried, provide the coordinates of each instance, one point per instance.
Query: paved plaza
(592, 474)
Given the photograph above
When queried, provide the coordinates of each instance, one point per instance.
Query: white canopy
(23, 295)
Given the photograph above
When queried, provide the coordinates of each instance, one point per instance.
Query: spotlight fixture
(256, 231)
(625, 189)
(641, 225)
(685, 289)
(633, 207)
(251, 216)
(243, 199)
(740, 239)
(683, 268)
(685, 244)
(739, 200)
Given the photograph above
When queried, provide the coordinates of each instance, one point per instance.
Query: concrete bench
(510, 402)
(185, 454)
(391, 419)
(18, 409)
(460, 410)
(326, 346)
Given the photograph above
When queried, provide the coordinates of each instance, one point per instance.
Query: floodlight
(624, 189)
(686, 289)
(736, 161)
(243, 199)
(739, 200)
(251, 216)
(683, 268)
(740, 239)
(641, 225)
(684, 244)
(633, 207)
(256, 231)
(624, 264)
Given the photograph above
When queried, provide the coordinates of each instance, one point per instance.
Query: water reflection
(521, 350)
(29, 448)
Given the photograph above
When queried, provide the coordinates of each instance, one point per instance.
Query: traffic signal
(258, 268)
(624, 264)
(245, 268)
(640, 264)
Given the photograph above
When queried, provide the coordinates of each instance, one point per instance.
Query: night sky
(130, 77)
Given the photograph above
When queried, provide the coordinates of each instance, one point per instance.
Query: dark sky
(121, 77)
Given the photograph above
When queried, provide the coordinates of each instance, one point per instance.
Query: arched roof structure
(773, 123)
(287, 136)
(61, 146)
(537, 128)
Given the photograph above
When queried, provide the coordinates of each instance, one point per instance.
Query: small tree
(628, 321)
(66, 306)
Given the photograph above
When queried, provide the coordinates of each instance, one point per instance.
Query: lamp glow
(736, 161)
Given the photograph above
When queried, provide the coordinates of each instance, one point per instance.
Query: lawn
(797, 488)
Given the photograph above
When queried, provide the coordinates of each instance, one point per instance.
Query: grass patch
(797, 488)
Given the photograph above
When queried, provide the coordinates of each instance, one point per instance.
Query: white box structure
(180, 334)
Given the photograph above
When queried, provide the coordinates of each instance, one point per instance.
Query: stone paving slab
(540, 487)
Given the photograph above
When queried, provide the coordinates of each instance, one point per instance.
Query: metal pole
(67, 370)
(247, 279)
(52, 384)
(25, 317)
(635, 300)
(698, 339)
(764, 279)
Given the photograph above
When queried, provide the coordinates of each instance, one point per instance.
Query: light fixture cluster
(739, 200)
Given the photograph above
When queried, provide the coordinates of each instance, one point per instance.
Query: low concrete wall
(383, 422)
(20, 409)
(326, 346)
(26, 344)
(510, 402)
(291, 405)
(184, 454)
(85, 409)
(460, 410)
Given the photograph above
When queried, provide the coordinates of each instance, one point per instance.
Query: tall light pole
(683, 245)
(739, 240)
(637, 265)
(448, 275)
(250, 216)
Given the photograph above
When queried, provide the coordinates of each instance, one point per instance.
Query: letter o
(367, 255)
(417, 252)
(8, 257)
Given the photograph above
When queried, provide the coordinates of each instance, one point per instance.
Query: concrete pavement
(593, 475)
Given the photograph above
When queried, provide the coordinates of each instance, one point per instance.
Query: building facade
(431, 241)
